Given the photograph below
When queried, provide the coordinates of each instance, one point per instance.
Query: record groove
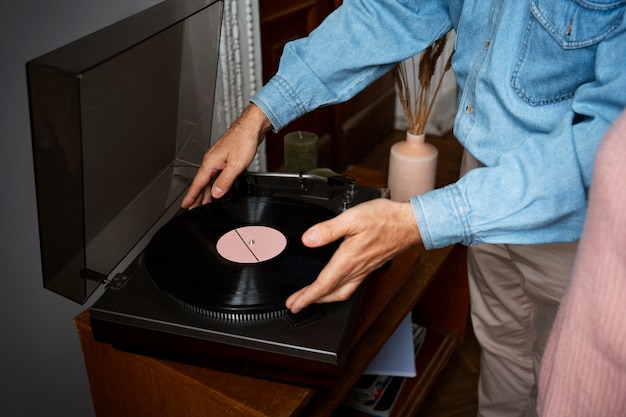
(183, 261)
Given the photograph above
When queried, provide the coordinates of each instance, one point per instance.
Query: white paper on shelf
(397, 357)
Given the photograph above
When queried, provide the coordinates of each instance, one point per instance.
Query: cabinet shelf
(432, 357)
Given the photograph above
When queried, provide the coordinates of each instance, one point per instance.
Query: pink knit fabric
(584, 367)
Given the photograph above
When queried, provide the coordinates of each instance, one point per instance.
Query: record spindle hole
(251, 244)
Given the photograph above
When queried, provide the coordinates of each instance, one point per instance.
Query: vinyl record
(238, 257)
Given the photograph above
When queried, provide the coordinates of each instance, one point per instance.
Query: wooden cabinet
(347, 130)
(432, 284)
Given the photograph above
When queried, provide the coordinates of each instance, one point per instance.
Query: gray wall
(41, 365)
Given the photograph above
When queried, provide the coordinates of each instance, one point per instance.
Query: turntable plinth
(430, 283)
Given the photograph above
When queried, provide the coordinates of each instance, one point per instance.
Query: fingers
(323, 233)
(227, 158)
(196, 195)
(372, 232)
(345, 271)
(227, 177)
(324, 290)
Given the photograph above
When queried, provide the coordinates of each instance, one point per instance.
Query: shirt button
(487, 43)
(469, 109)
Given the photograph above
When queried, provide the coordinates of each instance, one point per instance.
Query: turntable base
(430, 283)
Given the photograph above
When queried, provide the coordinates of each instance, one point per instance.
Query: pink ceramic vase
(412, 167)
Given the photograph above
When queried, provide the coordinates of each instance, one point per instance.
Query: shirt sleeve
(355, 45)
(535, 192)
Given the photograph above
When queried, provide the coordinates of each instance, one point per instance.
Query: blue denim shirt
(539, 82)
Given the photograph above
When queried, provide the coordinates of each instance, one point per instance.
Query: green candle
(300, 152)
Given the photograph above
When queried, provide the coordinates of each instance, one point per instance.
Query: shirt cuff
(278, 102)
(442, 217)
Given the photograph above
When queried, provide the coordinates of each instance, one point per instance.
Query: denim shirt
(539, 82)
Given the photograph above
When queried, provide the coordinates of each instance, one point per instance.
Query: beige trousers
(515, 291)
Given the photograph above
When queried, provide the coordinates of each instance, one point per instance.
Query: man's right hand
(228, 157)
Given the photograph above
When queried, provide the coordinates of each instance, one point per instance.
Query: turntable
(120, 121)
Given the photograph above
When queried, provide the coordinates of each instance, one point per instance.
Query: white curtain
(239, 72)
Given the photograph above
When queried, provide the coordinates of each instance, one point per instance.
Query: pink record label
(251, 244)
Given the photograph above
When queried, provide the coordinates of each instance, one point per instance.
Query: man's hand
(228, 157)
(373, 232)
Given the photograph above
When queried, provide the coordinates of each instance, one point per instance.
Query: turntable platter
(237, 258)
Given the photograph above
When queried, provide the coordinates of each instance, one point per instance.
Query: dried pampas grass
(418, 108)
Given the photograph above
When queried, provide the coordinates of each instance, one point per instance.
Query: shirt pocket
(559, 47)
